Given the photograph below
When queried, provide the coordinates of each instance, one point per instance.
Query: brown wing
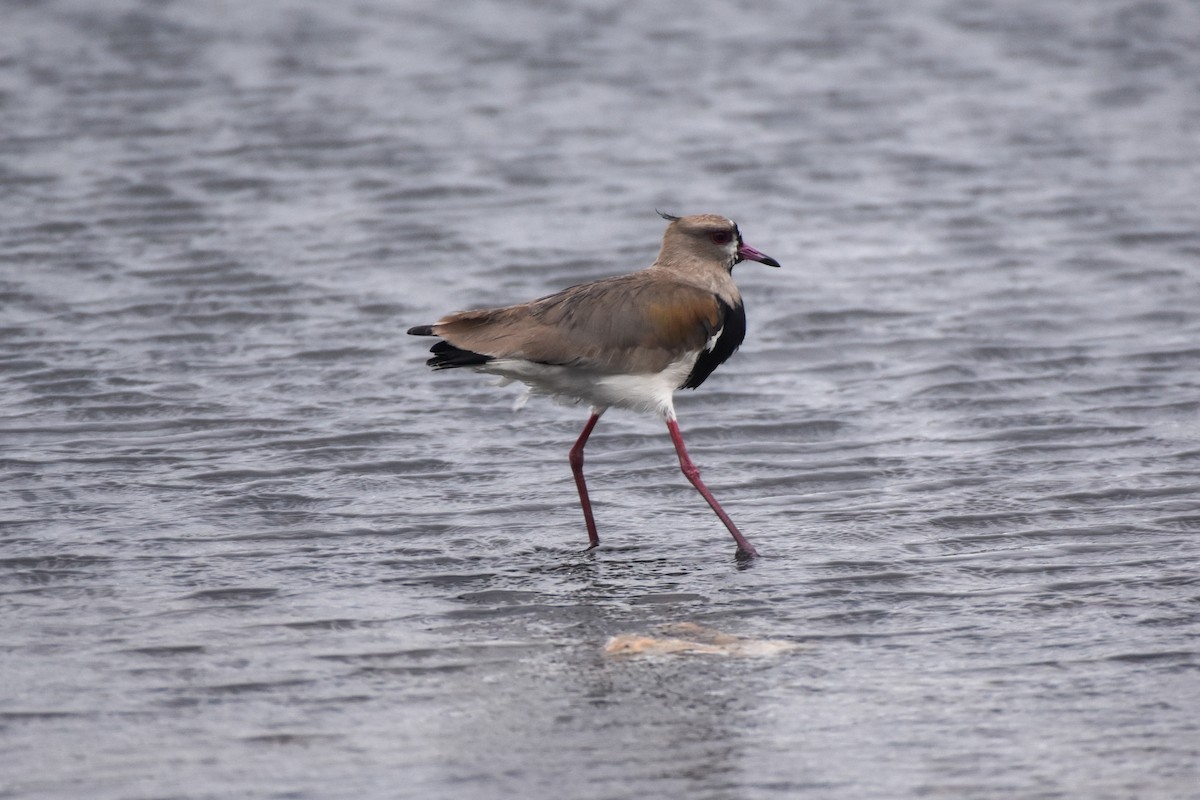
(633, 323)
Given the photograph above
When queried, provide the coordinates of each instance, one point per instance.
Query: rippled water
(251, 547)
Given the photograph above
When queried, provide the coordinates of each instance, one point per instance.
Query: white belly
(646, 392)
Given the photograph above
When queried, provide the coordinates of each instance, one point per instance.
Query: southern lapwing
(626, 342)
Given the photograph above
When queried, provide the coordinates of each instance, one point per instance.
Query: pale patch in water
(690, 638)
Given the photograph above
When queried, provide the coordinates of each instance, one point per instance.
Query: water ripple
(239, 513)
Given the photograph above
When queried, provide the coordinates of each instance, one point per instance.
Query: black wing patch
(447, 356)
(733, 331)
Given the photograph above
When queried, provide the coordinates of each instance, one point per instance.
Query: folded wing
(619, 325)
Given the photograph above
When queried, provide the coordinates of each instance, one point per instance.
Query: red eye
(721, 237)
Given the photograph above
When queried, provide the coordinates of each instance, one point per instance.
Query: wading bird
(628, 342)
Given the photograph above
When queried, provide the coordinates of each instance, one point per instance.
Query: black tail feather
(447, 356)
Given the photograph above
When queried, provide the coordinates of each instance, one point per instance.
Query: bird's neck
(701, 274)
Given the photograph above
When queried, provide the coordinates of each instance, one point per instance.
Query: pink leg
(689, 469)
(577, 470)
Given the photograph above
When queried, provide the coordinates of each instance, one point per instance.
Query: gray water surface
(252, 548)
